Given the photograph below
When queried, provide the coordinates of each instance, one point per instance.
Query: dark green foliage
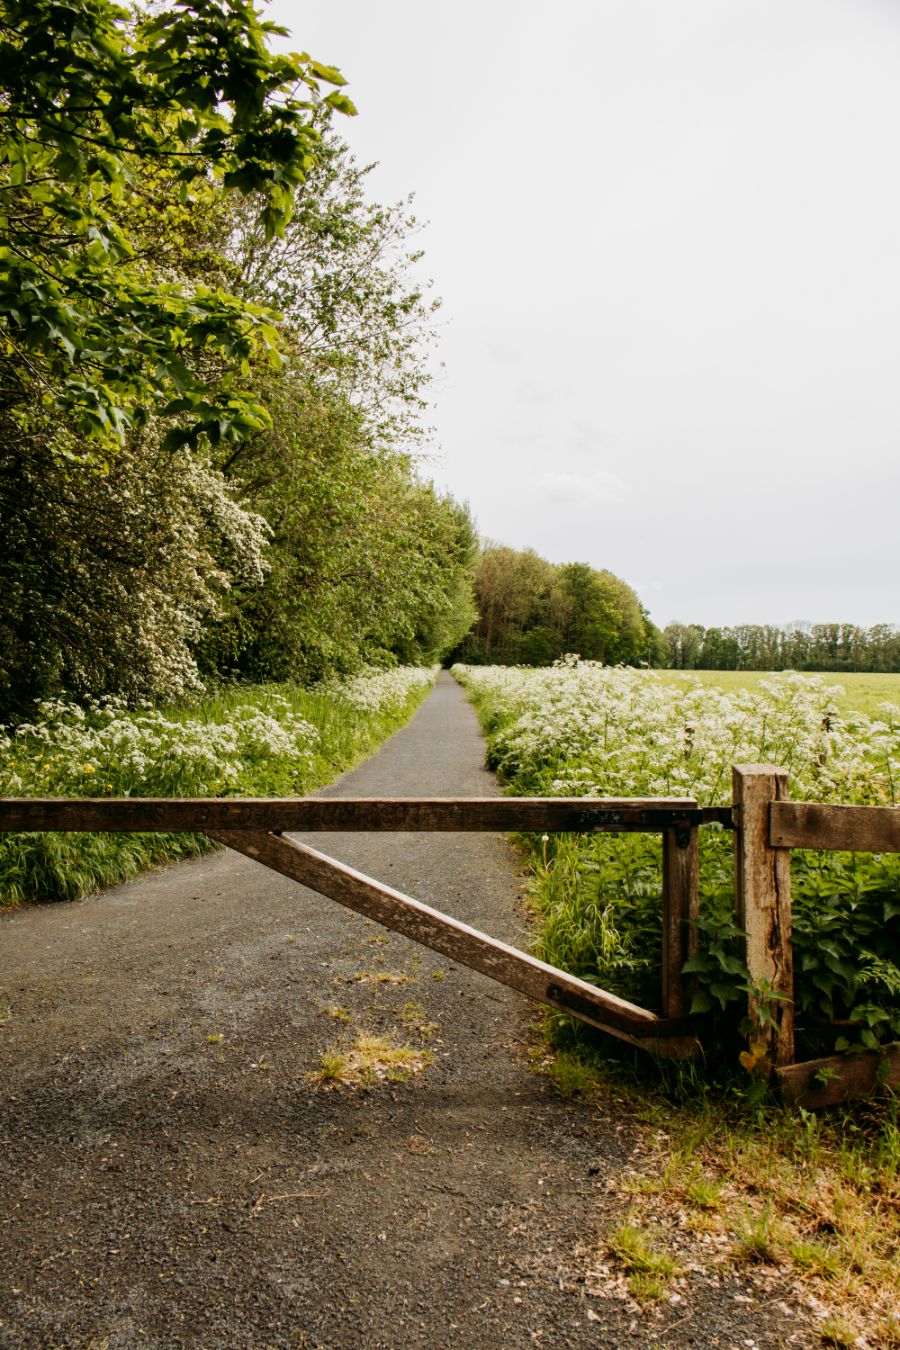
(847, 944)
(170, 179)
(366, 562)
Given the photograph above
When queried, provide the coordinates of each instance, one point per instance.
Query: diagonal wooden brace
(667, 1037)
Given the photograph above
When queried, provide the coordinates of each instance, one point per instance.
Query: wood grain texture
(681, 904)
(844, 1077)
(310, 814)
(763, 900)
(402, 914)
(858, 829)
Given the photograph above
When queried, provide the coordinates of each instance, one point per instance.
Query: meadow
(250, 740)
(851, 691)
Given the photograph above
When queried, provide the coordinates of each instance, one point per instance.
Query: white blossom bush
(586, 729)
(111, 574)
(579, 729)
(103, 749)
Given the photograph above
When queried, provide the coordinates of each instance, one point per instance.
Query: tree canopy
(750, 646)
(101, 114)
(212, 369)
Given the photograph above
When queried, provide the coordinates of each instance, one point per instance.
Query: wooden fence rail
(855, 829)
(580, 815)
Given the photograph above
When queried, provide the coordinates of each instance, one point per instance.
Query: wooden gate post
(763, 895)
(681, 903)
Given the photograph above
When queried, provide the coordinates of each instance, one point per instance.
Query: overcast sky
(666, 234)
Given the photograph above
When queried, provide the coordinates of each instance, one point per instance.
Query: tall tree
(606, 622)
(344, 277)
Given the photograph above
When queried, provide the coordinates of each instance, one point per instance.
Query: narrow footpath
(175, 1172)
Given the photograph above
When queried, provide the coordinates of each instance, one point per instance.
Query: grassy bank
(723, 1188)
(586, 730)
(266, 740)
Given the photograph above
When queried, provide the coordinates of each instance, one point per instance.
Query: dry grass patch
(381, 977)
(648, 1267)
(370, 1060)
(413, 1015)
(787, 1194)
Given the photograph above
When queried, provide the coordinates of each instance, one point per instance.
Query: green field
(862, 693)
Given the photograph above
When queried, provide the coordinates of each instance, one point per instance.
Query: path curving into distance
(173, 1175)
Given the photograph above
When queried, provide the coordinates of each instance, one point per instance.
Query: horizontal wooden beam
(461, 943)
(856, 829)
(826, 1082)
(310, 814)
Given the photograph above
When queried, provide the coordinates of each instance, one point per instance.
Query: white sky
(667, 238)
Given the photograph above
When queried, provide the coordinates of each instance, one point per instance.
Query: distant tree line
(820, 646)
(531, 612)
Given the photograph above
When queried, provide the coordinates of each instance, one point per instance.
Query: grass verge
(265, 740)
(721, 1185)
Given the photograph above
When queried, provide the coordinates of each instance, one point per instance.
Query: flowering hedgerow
(254, 741)
(581, 729)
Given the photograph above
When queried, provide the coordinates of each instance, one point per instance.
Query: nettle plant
(587, 730)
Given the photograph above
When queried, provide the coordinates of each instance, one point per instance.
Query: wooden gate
(258, 826)
(766, 827)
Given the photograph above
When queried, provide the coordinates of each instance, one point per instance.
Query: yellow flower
(89, 768)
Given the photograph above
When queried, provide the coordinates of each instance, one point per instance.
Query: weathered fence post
(763, 889)
(681, 902)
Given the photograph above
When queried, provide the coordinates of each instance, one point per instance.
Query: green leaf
(341, 103)
(330, 74)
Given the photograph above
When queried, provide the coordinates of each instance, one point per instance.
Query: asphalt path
(175, 1172)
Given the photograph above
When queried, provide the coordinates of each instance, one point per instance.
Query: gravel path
(174, 1174)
